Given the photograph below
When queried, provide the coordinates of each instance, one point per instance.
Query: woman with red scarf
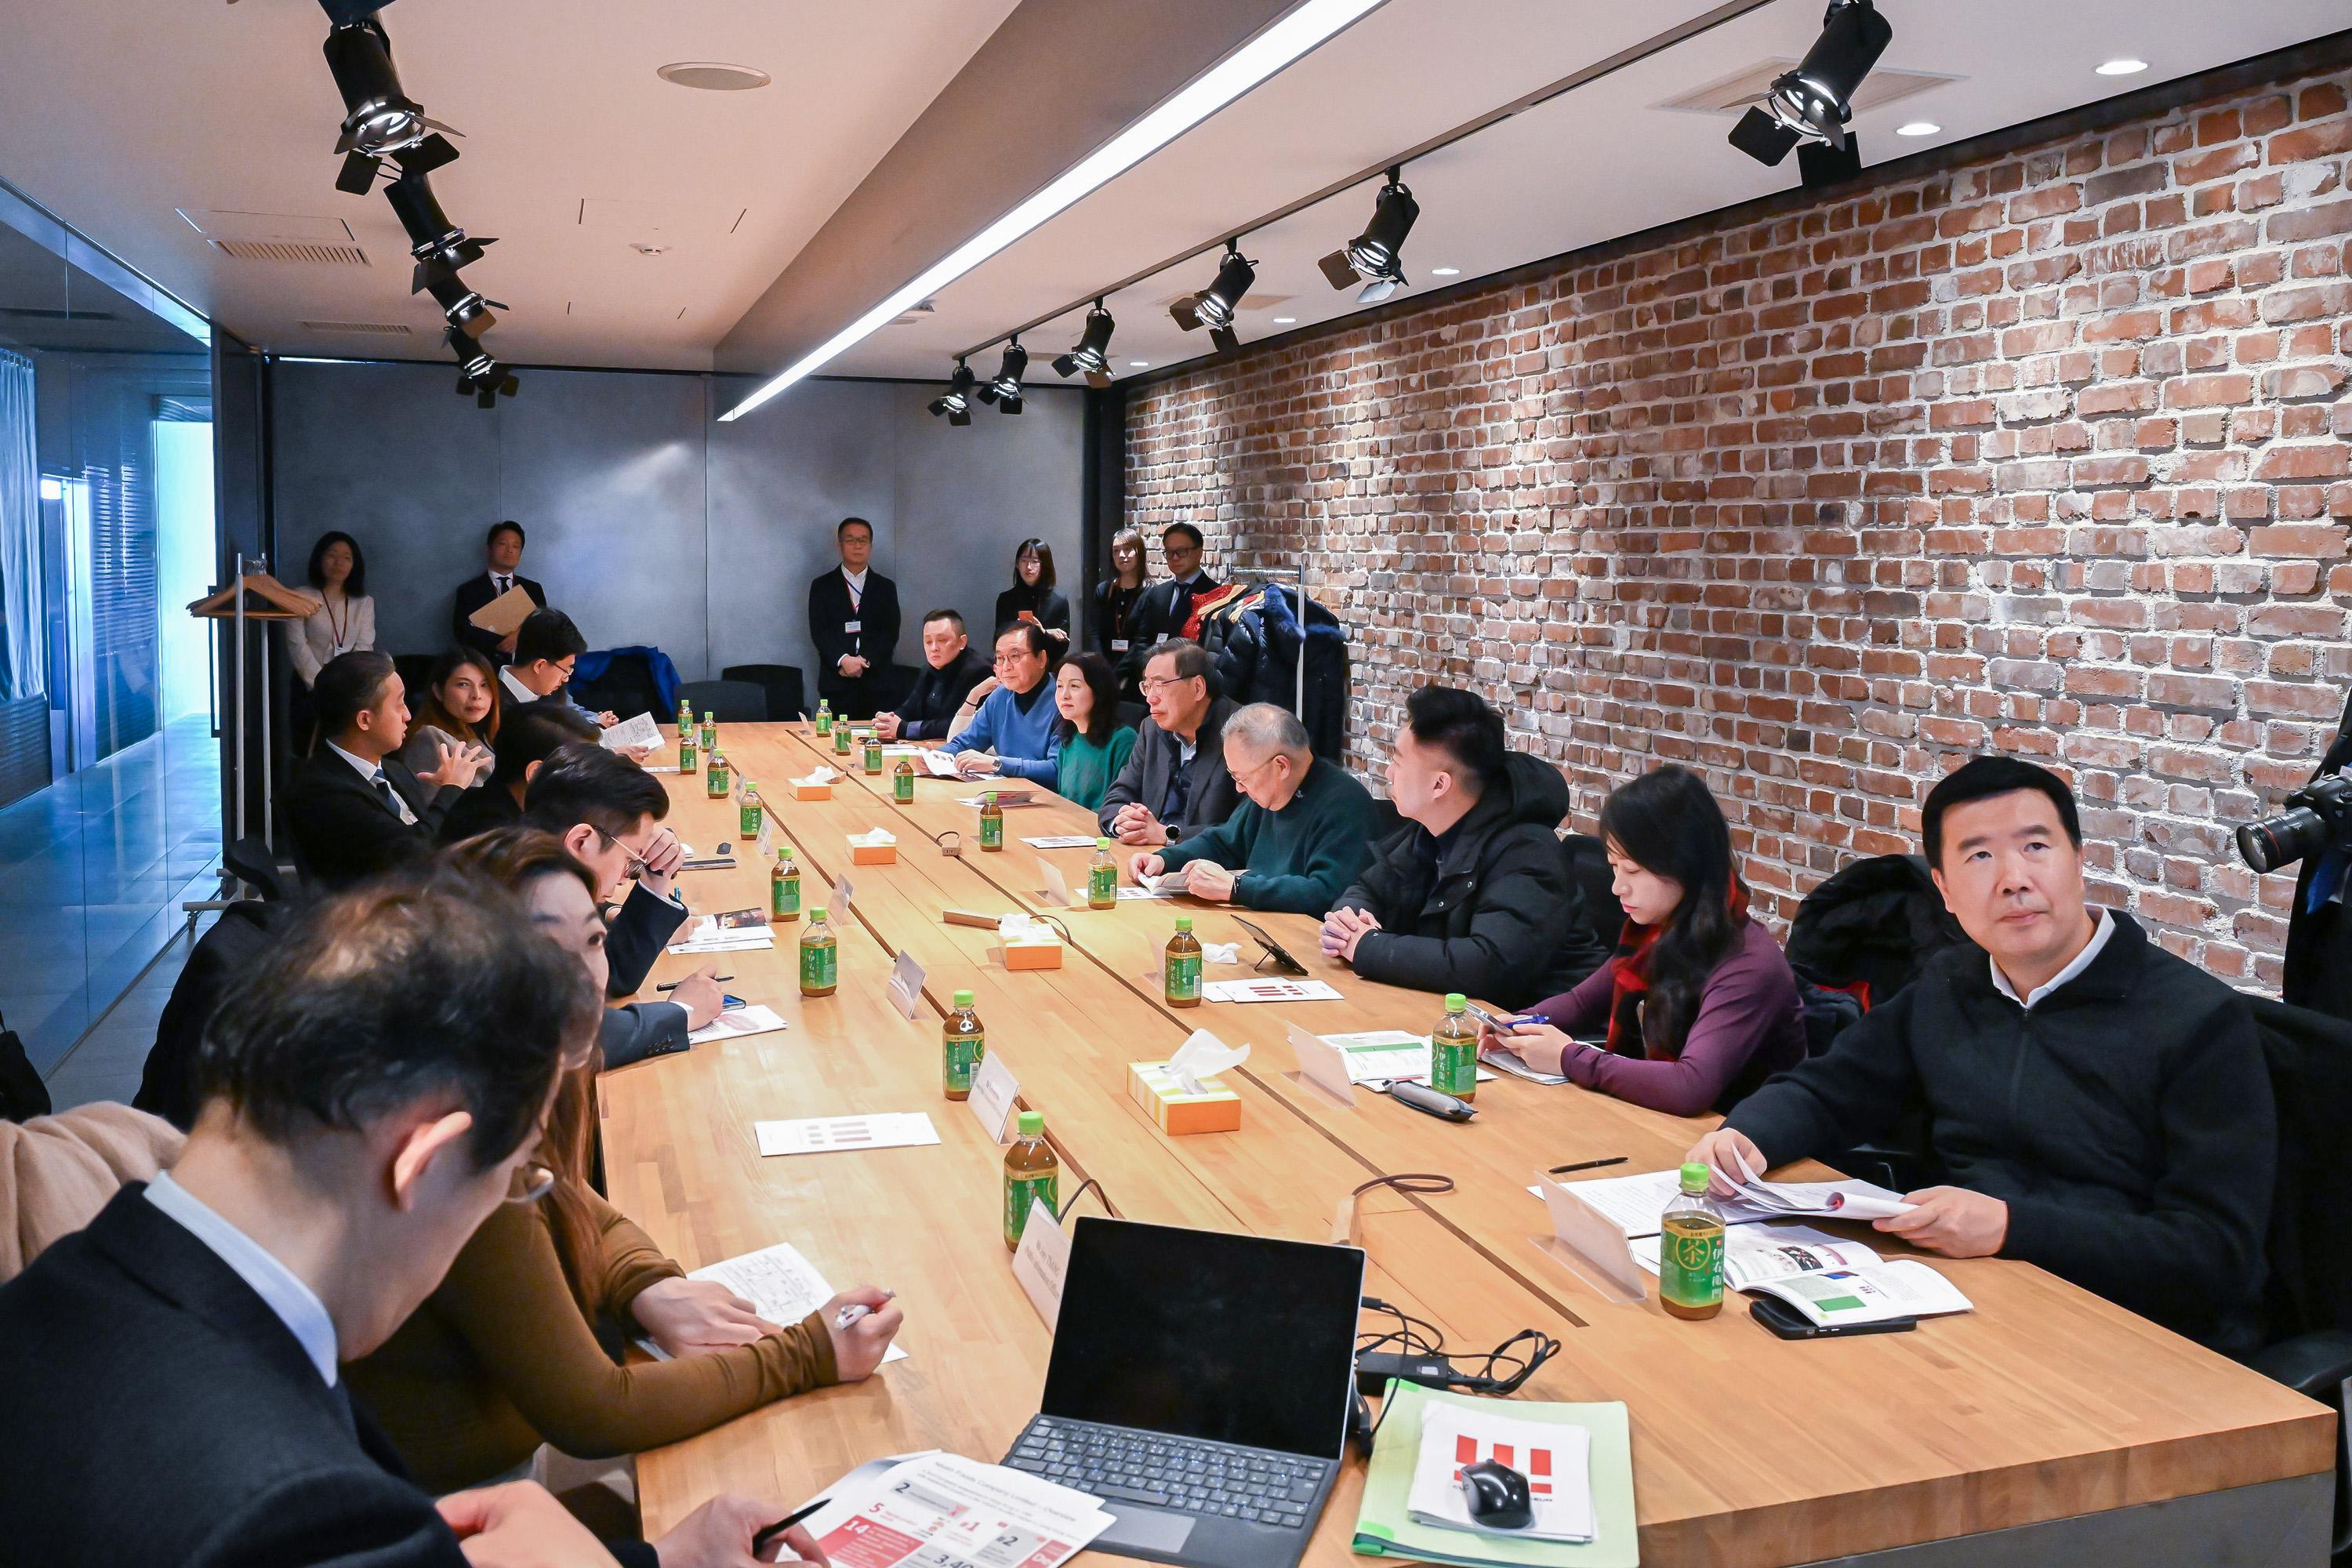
(1698, 1007)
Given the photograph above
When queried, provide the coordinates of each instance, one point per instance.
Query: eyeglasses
(1004, 659)
(638, 865)
(1150, 686)
(1248, 774)
(532, 1181)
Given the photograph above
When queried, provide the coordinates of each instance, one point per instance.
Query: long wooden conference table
(2045, 1426)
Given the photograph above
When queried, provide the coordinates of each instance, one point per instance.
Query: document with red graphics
(1556, 1458)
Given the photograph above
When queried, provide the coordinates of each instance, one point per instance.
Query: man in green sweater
(1303, 831)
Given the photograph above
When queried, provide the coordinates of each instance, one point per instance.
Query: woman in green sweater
(504, 1355)
(1094, 743)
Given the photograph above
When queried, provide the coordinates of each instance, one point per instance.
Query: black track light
(466, 311)
(956, 402)
(1214, 307)
(1376, 255)
(380, 121)
(1003, 388)
(440, 246)
(477, 372)
(1091, 357)
(1813, 102)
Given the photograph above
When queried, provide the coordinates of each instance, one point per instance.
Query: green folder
(1385, 1529)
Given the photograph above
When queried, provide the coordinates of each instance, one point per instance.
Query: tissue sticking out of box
(879, 839)
(821, 776)
(1204, 1056)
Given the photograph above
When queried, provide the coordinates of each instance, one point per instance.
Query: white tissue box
(1177, 1111)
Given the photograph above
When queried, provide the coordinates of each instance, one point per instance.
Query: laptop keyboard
(1210, 1480)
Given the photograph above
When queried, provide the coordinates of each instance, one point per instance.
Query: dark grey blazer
(1152, 764)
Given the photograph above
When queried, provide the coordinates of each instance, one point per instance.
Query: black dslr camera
(2318, 816)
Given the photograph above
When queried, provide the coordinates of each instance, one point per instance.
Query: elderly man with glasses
(1303, 832)
(1175, 782)
(1015, 728)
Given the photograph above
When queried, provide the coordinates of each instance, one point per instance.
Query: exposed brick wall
(2044, 455)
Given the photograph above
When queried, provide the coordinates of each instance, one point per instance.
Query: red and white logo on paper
(1535, 1464)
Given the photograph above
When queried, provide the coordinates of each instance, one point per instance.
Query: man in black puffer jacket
(1473, 894)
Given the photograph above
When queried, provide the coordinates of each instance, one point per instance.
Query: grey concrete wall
(649, 522)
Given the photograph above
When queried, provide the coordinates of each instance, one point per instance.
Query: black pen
(767, 1537)
(674, 985)
(1586, 1165)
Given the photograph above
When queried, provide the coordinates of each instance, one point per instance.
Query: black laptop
(1200, 1387)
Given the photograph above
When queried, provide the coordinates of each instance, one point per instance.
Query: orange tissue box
(1176, 1111)
(880, 848)
(1030, 944)
(817, 786)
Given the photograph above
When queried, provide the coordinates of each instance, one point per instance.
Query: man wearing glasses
(1017, 731)
(373, 1093)
(1175, 782)
(1163, 610)
(1303, 832)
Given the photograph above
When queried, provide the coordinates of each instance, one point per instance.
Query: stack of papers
(637, 734)
(738, 1022)
(782, 1286)
(1837, 1297)
(1557, 1461)
(1061, 841)
(943, 1510)
(1755, 1253)
(1274, 990)
(1006, 799)
(1387, 1056)
(829, 1134)
(706, 934)
(1635, 1203)
(1501, 1060)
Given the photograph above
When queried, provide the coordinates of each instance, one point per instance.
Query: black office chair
(729, 702)
(787, 696)
(252, 862)
(896, 681)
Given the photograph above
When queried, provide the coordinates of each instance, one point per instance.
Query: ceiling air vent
(1733, 94)
(919, 312)
(373, 329)
(288, 250)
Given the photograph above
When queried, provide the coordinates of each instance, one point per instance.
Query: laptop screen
(1202, 1334)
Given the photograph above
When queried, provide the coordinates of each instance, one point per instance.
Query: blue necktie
(383, 791)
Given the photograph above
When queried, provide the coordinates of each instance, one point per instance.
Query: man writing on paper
(853, 617)
(502, 561)
(2093, 1104)
(1175, 782)
(546, 647)
(1303, 832)
(950, 670)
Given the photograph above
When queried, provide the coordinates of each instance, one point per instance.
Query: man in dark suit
(353, 809)
(373, 1093)
(951, 669)
(546, 647)
(1175, 782)
(854, 621)
(1162, 609)
(502, 558)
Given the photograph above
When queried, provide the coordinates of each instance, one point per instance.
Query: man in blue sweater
(1302, 833)
(1017, 730)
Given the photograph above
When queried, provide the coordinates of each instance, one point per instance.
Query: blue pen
(729, 1004)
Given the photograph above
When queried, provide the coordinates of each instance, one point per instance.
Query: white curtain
(23, 665)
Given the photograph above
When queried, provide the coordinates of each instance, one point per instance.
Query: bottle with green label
(710, 731)
(1184, 966)
(992, 822)
(874, 753)
(820, 957)
(964, 1044)
(685, 722)
(841, 739)
(902, 782)
(1453, 1050)
(1031, 1171)
(749, 812)
(1690, 1249)
(688, 758)
(784, 891)
(824, 716)
(1102, 877)
(715, 780)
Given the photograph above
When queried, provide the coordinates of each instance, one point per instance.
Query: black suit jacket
(875, 640)
(472, 595)
(930, 707)
(642, 1029)
(1151, 766)
(342, 828)
(1160, 611)
(479, 810)
(159, 1412)
(636, 936)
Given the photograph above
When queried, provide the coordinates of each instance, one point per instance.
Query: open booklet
(1879, 1293)
(1634, 1202)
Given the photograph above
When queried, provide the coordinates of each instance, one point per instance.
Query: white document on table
(633, 734)
(939, 763)
(1754, 1253)
(1556, 1457)
(834, 1134)
(943, 1510)
(993, 1090)
(784, 1286)
(739, 1022)
(1636, 1203)
(1061, 841)
(1388, 1055)
(705, 934)
(1173, 890)
(1268, 990)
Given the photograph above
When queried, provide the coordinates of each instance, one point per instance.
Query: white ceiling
(119, 111)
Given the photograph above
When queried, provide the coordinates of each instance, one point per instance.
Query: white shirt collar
(367, 770)
(1190, 577)
(856, 579)
(515, 688)
(2102, 928)
(280, 1289)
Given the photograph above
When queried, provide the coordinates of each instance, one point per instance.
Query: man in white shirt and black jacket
(854, 621)
(2095, 1105)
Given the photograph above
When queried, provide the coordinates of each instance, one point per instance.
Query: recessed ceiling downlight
(713, 76)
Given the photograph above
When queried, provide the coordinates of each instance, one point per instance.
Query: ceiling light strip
(1706, 21)
(1288, 40)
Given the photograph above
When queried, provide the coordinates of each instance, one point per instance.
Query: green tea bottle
(685, 722)
(784, 891)
(992, 822)
(824, 716)
(688, 761)
(874, 753)
(902, 782)
(749, 813)
(1032, 1171)
(820, 957)
(1184, 966)
(1690, 1249)
(1453, 1050)
(715, 780)
(709, 732)
(963, 1043)
(1102, 877)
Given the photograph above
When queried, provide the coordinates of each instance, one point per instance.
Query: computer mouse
(1496, 1496)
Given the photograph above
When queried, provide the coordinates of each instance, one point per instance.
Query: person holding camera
(2095, 1105)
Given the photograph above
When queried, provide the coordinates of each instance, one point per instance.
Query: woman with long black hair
(1033, 593)
(1698, 1007)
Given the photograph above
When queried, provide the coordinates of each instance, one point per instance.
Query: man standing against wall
(854, 621)
(502, 571)
(1162, 609)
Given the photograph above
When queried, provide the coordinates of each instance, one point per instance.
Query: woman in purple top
(1699, 1005)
